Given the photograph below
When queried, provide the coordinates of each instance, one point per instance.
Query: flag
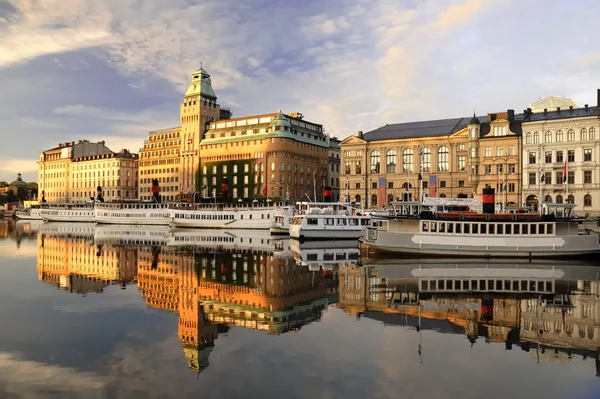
(433, 186)
(381, 193)
(542, 178)
(265, 190)
(565, 171)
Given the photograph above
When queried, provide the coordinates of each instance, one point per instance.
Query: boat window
(498, 285)
(433, 227)
(542, 229)
(440, 284)
(364, 222)
(473, 284)
(340, 256)
(492, 228)
(523, 285)
(442, 227)
(448, 284)
(517, 229)
(312, 221)
(482, 284)
(525, 229)
(341, 222)
(550, 229)
(475, 228)
(515, 286)
(450, 227)
(549, 286)
(459, 228)
(425, 226)
(499, 229)
(467, 228)
(328, 222)
(533, 229)
(483, 228)
(507, 229)
(457, 285)
(327, 256)
(353, 222)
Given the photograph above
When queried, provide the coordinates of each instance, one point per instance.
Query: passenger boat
(554, 233)
(132, 213)
(282, 220)
(76, 212)
(31, 213)
(328, 220)
(237, 215)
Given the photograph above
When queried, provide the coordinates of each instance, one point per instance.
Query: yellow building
(160, 159)
(275, 154)
(439, 158)
(72, 172)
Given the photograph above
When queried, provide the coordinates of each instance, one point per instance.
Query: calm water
(109, 311)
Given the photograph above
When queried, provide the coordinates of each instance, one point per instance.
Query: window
(373, 184)
(536, 137)
(559, 136)
(462, 162)
(461, 183)
(499, 169)
(442, 184)
(570, 135)
(375, 161)
(559, 199)
(511, 150)
(391, 185)
(511, 168)
(571, 156)
(532, 178)
(587, 154)
(584, 135)
(357, 186)
(571, 177)
(499, 151)
(499, 130)
(571, 199)
(390, 161)
(348, 153)
(587, 176)
(532, 158)
(548, 177)
(511, 187)
(488, 169)
(559, 178)
(359, 154)
(548, 157)
(587, 200)
(473, 152)
(358, 167)
(548, 137)
(528, 138)
(426, 160)
(559, 156)
(347, 167)
(461, 147)
(592, 134)
(374, 200)
(443, 159)
(407, 161)
(488, 152)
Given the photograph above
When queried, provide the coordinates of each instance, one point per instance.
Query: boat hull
(22, 216)
(412, 244)
(303, 233)
(260, 219)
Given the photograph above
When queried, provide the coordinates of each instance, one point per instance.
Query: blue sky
(114, 69)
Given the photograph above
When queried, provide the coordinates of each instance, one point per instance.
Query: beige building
(72, 172)
(160, 159)
(333, 171)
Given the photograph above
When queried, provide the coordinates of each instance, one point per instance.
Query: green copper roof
(280, 120)
(201, 84)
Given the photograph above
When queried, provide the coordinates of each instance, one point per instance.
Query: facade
(273, 155)
(72, 171)
(333, 171)
(560, 156)
(160, 159)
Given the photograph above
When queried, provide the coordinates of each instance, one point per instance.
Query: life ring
(235, 210)
(347, 213)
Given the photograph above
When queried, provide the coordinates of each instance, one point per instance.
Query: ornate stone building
(562, 145)
(72, 171)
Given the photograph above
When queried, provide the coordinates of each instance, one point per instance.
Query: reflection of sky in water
(56, 344)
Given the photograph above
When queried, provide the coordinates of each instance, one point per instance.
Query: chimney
(360, 134)
(545, 111)
(586, 107)
(511, 115)
(558, 109)
(598, 100)
(528, 110)
(571, 107)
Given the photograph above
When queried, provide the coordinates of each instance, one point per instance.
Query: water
(110, 311)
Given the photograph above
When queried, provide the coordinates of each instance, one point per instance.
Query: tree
(33, 190)
(3, 184)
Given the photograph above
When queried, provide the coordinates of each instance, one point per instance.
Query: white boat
(328, 220)
(132, 213)
(237, 215)
(282, 220)
(325, 256)
(555, 233)
(32, 213)
(76, 212)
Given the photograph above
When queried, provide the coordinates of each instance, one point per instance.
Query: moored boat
(76, 212)
(282, 220)
(328, 220)
(132, 213)
(31, 213)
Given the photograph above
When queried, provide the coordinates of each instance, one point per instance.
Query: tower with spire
(199, 107)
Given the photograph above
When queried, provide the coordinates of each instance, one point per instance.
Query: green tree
(3, 184)
(33, 190)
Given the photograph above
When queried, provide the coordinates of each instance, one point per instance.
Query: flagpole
(541, 180)
(421, 170)
(567, 176)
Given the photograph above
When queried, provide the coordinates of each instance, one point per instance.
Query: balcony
(189, 152)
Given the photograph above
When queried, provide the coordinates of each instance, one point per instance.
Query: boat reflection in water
(549, 309)
(217, 279)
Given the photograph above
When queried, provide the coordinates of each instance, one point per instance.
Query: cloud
(15, 166)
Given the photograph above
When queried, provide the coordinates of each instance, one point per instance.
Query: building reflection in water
(550, 310)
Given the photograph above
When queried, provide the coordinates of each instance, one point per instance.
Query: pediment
(352, 140)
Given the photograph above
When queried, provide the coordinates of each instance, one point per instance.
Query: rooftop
(561, 114)
(439, 127)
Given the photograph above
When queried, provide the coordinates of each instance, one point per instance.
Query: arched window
(442, 159)
(548, 198)
(375, 161)
(390, 161)
(536, 137)
(373, 200)
(357, 198)
(571, 199)
(528, 138)
(407, 161)
(592, 135)
(559, 136)
(559, 199)
(587, 200)
(442, 195)
(548, 137)
(570, 135)
(390, 198)
(406, 186)
(426, 160)
(584, 135)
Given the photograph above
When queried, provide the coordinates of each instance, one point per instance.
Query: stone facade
(333, 171)
(160, 159)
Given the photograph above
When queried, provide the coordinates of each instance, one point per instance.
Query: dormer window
(499, 130)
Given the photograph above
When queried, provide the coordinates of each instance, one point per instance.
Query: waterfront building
(274, 155)
(72, 171)
(560, 153)
(333, 171)
(160, 158)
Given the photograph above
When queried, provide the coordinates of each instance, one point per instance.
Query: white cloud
(14, 166)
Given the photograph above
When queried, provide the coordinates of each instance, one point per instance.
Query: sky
(115, 69)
